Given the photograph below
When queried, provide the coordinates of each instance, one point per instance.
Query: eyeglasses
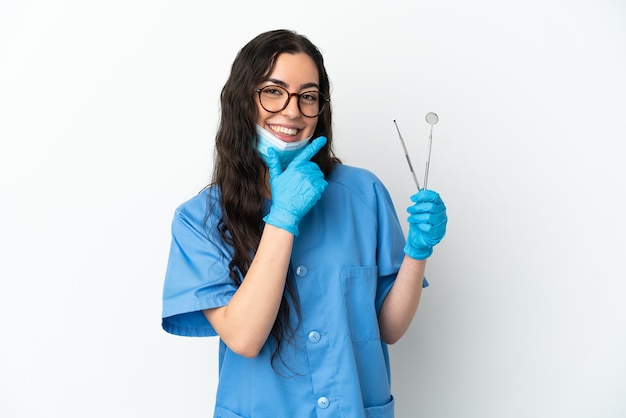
(275, 99)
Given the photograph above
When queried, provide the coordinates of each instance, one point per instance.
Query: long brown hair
(239, 172)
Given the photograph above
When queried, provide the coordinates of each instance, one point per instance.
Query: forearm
(402, 300)
(246, 322)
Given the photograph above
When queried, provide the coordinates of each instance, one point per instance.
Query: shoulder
(198, 208)
(359, 183)
(353, 178)
(347, 174)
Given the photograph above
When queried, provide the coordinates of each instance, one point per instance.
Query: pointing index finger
(311, 149)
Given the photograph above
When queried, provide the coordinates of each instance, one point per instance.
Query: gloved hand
(297, 189)
(427, 224)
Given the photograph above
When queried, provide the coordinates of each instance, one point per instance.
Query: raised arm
(246, 322)
(427, 227)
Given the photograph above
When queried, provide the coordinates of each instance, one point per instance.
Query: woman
(295, 260)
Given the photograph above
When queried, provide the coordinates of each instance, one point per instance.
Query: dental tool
(406, 154)
(432, 119)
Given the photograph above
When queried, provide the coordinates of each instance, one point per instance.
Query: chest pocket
(359, 291)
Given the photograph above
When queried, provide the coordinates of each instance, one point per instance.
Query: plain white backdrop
(108, 112)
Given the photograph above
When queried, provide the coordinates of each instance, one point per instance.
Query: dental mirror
(432, 119)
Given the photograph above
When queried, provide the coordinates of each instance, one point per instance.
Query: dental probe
(406, 154)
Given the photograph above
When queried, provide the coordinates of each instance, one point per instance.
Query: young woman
(296, 261)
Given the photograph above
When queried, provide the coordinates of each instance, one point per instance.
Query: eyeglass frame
(323, 100)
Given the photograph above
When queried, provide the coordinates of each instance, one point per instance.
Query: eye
(310, 96)
(273, 91)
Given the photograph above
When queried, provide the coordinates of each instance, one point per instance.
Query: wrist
(282, 218)
(421, 253)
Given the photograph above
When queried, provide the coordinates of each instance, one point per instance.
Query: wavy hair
(239, 172)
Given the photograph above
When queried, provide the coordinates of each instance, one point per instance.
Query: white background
(108, 112)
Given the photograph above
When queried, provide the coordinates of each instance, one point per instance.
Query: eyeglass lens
(275, 98)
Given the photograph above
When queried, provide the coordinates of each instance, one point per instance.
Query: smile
(284, 130)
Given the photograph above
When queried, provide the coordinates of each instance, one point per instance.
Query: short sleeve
(197, 275)
(390, 243)
(391, 240)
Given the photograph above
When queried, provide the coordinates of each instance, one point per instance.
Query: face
(297, 73)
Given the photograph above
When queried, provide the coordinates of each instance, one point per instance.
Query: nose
(292, 105)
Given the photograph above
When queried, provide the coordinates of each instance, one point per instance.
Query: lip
(270, 127)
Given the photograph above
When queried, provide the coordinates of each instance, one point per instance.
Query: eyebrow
(283, 84)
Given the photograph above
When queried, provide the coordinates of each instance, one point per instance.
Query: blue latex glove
(427, 224)
(297, 189)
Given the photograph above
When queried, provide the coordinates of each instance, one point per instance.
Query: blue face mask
(287, 151)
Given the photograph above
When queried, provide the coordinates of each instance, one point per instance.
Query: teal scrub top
(343, 263)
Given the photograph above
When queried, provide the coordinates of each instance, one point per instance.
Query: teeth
(283, 130)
